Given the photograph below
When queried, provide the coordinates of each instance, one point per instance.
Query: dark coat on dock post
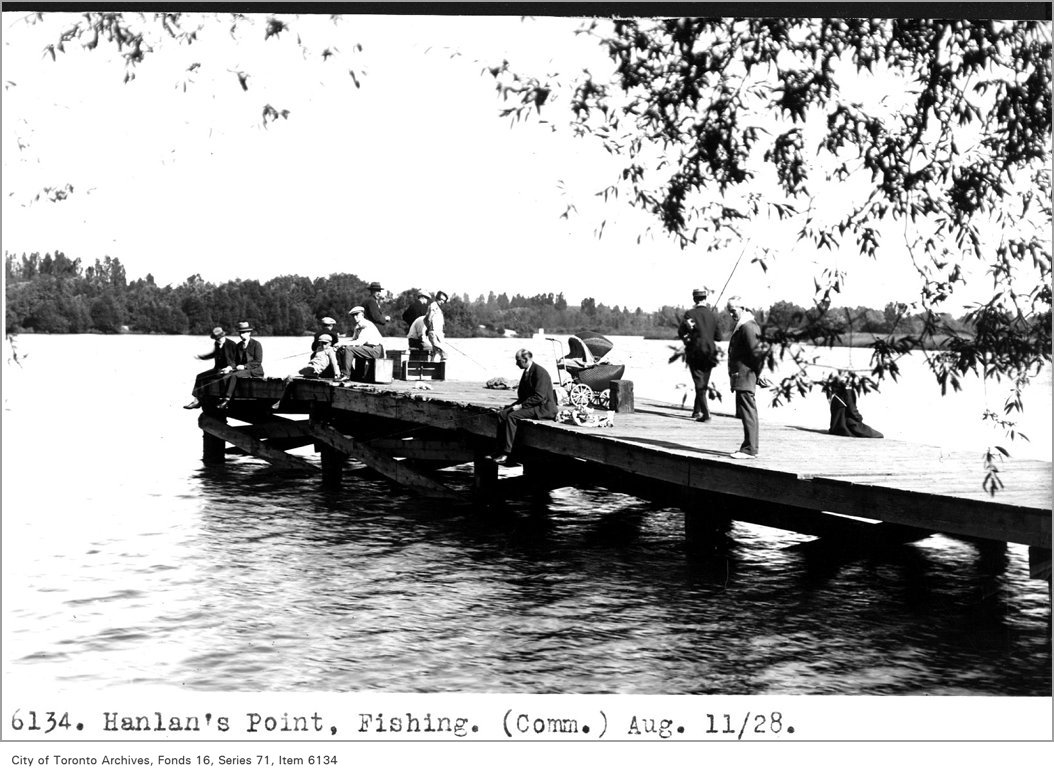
(846, 419)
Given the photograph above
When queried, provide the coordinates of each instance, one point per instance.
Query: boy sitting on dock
(323, 363)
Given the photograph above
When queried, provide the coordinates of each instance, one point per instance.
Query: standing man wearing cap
(699, 332)
(365, 343)
(245, 362)
(373, 307)
(418, 309)
(746, 354)
(434, 322)
(222, 352)
(329, 326)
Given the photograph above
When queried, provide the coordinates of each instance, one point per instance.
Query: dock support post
(705, 526)
(332, 465)
(484, 481)
(1039, 563)
(213, 448)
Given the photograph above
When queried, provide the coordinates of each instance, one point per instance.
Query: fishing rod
(448, 343)
(744, 251)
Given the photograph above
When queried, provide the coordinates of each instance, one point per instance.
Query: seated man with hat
(329, 326)
(222, 351)
(372, 307)
(245, 362)
(365, 343)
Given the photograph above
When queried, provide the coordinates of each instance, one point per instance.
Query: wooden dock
(865, 491)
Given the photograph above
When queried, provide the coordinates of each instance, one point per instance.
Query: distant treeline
(57, 295)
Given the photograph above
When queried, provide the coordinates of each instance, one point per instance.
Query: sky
(411, 180)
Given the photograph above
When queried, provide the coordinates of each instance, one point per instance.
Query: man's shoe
(223, 404)
(194, 404)
(500, 459)
(703, 419)
(696, 415)
(743, 456)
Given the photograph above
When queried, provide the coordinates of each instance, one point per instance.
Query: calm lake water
(127, 562)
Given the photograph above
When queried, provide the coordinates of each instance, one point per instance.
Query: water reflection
(369, 588)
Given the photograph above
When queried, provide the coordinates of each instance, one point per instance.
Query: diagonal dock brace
(380, 461)
(254, 446)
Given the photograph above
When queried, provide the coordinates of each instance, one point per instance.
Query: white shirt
(366, 333)
(417, 329)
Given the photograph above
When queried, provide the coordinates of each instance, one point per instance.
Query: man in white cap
(222, 351)
(329, 326)
(365, 343)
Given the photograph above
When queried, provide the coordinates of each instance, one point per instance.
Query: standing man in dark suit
(698, 330)
(373, 308)
(246, 361)
(746, 354)
(535, 400)
(222, 352)
(417, 309)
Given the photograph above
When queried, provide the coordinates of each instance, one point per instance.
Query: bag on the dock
(584, 417)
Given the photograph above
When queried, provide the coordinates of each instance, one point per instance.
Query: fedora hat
(357, 309)
(441, 295)
(217, 333)
(375, 286)
(244, 326)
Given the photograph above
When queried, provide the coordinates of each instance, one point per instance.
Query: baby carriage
(583, 373)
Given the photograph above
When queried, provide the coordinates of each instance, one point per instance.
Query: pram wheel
(580, 394)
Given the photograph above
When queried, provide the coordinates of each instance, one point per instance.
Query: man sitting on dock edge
(535, 400)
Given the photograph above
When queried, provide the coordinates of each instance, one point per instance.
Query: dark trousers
(232, 380)
(508, 422)
(700, 371)
(353, 359)
(747, 411)
(202, 381)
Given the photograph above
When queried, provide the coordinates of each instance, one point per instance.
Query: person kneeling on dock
(365, 343)
(846, 419)
(245, 362)
(535, 400)
(222, 352)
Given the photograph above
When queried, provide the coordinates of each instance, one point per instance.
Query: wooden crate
(379, 370)
(423, 370)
